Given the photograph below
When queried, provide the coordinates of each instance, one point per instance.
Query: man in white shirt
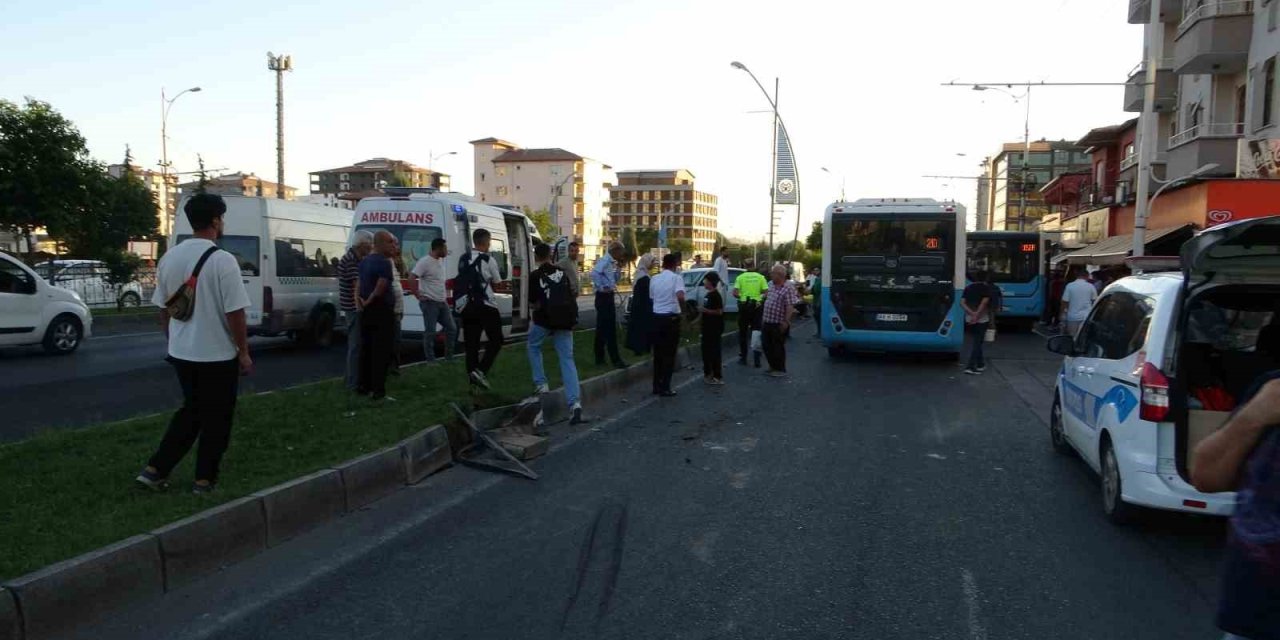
(477, 273)
(1077, 300)
(209, 350)
(667, 291)
(430, 275)
(721, 268)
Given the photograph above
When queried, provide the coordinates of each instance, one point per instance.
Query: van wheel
(1056, 435)
(320, 333)
(1113, 505)
(130, 300)
(63, 335)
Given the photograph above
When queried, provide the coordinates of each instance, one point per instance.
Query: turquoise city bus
(892, 274)
(1013, 261)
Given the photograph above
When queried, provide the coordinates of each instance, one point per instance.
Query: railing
(1207, 130)
(1195, 10)
(1163, 64)
(1129, 162)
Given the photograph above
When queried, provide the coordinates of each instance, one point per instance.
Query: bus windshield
(863, 236)
(1005, 260)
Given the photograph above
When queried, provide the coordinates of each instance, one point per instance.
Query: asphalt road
(112, 377)
(867, 498)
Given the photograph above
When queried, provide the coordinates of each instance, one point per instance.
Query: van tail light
(448, 291)
(1154, 388)
(268, 302)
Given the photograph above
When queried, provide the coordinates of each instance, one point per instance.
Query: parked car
(695, 293)
(1157, 365)
(32, 311)
(89, 279)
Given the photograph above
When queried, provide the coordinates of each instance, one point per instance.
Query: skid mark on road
(971, 597)
(703, 544)
(739, 480)
(603, 545)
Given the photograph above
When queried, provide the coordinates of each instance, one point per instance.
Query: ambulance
(417, 216)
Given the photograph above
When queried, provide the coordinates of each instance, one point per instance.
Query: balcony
(1213, 142)
(1214, 38)
(1140, 11)
(1166, 87)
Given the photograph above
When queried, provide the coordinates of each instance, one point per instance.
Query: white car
(1159, 362)
(89, 279)
(32, 311)
(694, 292)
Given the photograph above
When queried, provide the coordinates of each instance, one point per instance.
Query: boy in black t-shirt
(712, 329)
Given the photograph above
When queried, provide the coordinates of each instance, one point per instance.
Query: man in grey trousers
(348, 281)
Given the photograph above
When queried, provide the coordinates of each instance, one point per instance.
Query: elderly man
(348, 280)
(376, 301)
(604, 277)
(779, 309)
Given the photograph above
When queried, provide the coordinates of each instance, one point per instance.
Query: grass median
(69, 492)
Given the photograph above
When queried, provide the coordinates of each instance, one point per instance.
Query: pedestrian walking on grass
(976, 301)
(348, 283)
(779, 310)
(640, 320)
(473, 293)
(604, 278)
(202, 303)
(376, 299)
(712, 330)
(555, 314)
(1244, 456)
(749, 289)
(667, 292)
(430, 274)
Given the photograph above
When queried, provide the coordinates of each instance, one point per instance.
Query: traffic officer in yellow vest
(748, 288)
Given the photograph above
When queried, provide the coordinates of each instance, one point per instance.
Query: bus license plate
(891, 317)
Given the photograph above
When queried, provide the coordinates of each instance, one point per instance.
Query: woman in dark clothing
(640, 323)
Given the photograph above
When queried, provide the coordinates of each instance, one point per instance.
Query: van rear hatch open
(1228, 324)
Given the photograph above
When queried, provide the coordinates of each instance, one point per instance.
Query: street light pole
(773, 102)
(832, 174)
(431, 161)
(279, 64)
(165, 105)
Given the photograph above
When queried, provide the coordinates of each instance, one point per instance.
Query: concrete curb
(75, 592)
(301, 504)
(10, 621)
(426, 453)
(207, 541)
(372, 477)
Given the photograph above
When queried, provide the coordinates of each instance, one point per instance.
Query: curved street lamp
(165, 105)
(1026, 146)
(777, 122)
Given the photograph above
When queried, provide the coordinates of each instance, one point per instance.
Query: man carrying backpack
(473, 294)
(555, 313)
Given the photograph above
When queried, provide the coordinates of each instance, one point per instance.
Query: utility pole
(1026, 157)
(1147, 130)
(279, 64)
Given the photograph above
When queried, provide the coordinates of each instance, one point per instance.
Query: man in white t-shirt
(667, 291)
(1077, 300)
(209, 350)
(721, 267)
(430, 274)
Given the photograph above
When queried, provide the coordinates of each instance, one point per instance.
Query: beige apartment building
(574, 189)
(366, 177)
(1215, 87)
(642, 199)
(239, 184)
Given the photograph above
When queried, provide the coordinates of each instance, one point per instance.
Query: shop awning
(1113, 250)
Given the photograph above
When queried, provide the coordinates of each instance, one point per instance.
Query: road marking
(971, 596)
(126, 335)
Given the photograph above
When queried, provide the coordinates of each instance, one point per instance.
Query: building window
(344, 176)
(502, 171)
(502, 192)
(1268, 91)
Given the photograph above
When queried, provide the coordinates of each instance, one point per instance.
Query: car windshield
(692, 278)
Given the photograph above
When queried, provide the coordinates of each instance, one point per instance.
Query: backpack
(182, 304)
(559, 304)
(470, 282)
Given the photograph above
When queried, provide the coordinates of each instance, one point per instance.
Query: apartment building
(1086, 199)
(642, 199)
(239, 184)
(165, 188)
(369, 175)
(1215, 105)
(574, 189)
(1008, 187)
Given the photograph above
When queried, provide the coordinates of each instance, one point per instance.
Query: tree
(629, 246)
(721, 241)
(682, 246)
(108, 214)
(41, 158)
(646, 240)
(814, 241)
(400, 179)
(789, 251)
(812, 260)
(542, 221)
(202, 176)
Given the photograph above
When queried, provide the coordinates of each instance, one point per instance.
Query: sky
(636, 85)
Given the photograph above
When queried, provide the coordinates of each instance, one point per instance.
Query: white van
(418, 216)
(288, 254)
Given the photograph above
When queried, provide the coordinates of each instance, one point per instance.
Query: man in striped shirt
(348, 280)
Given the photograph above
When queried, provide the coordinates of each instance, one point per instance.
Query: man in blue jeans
(429, 272)
(976, 301)
(555, 308)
